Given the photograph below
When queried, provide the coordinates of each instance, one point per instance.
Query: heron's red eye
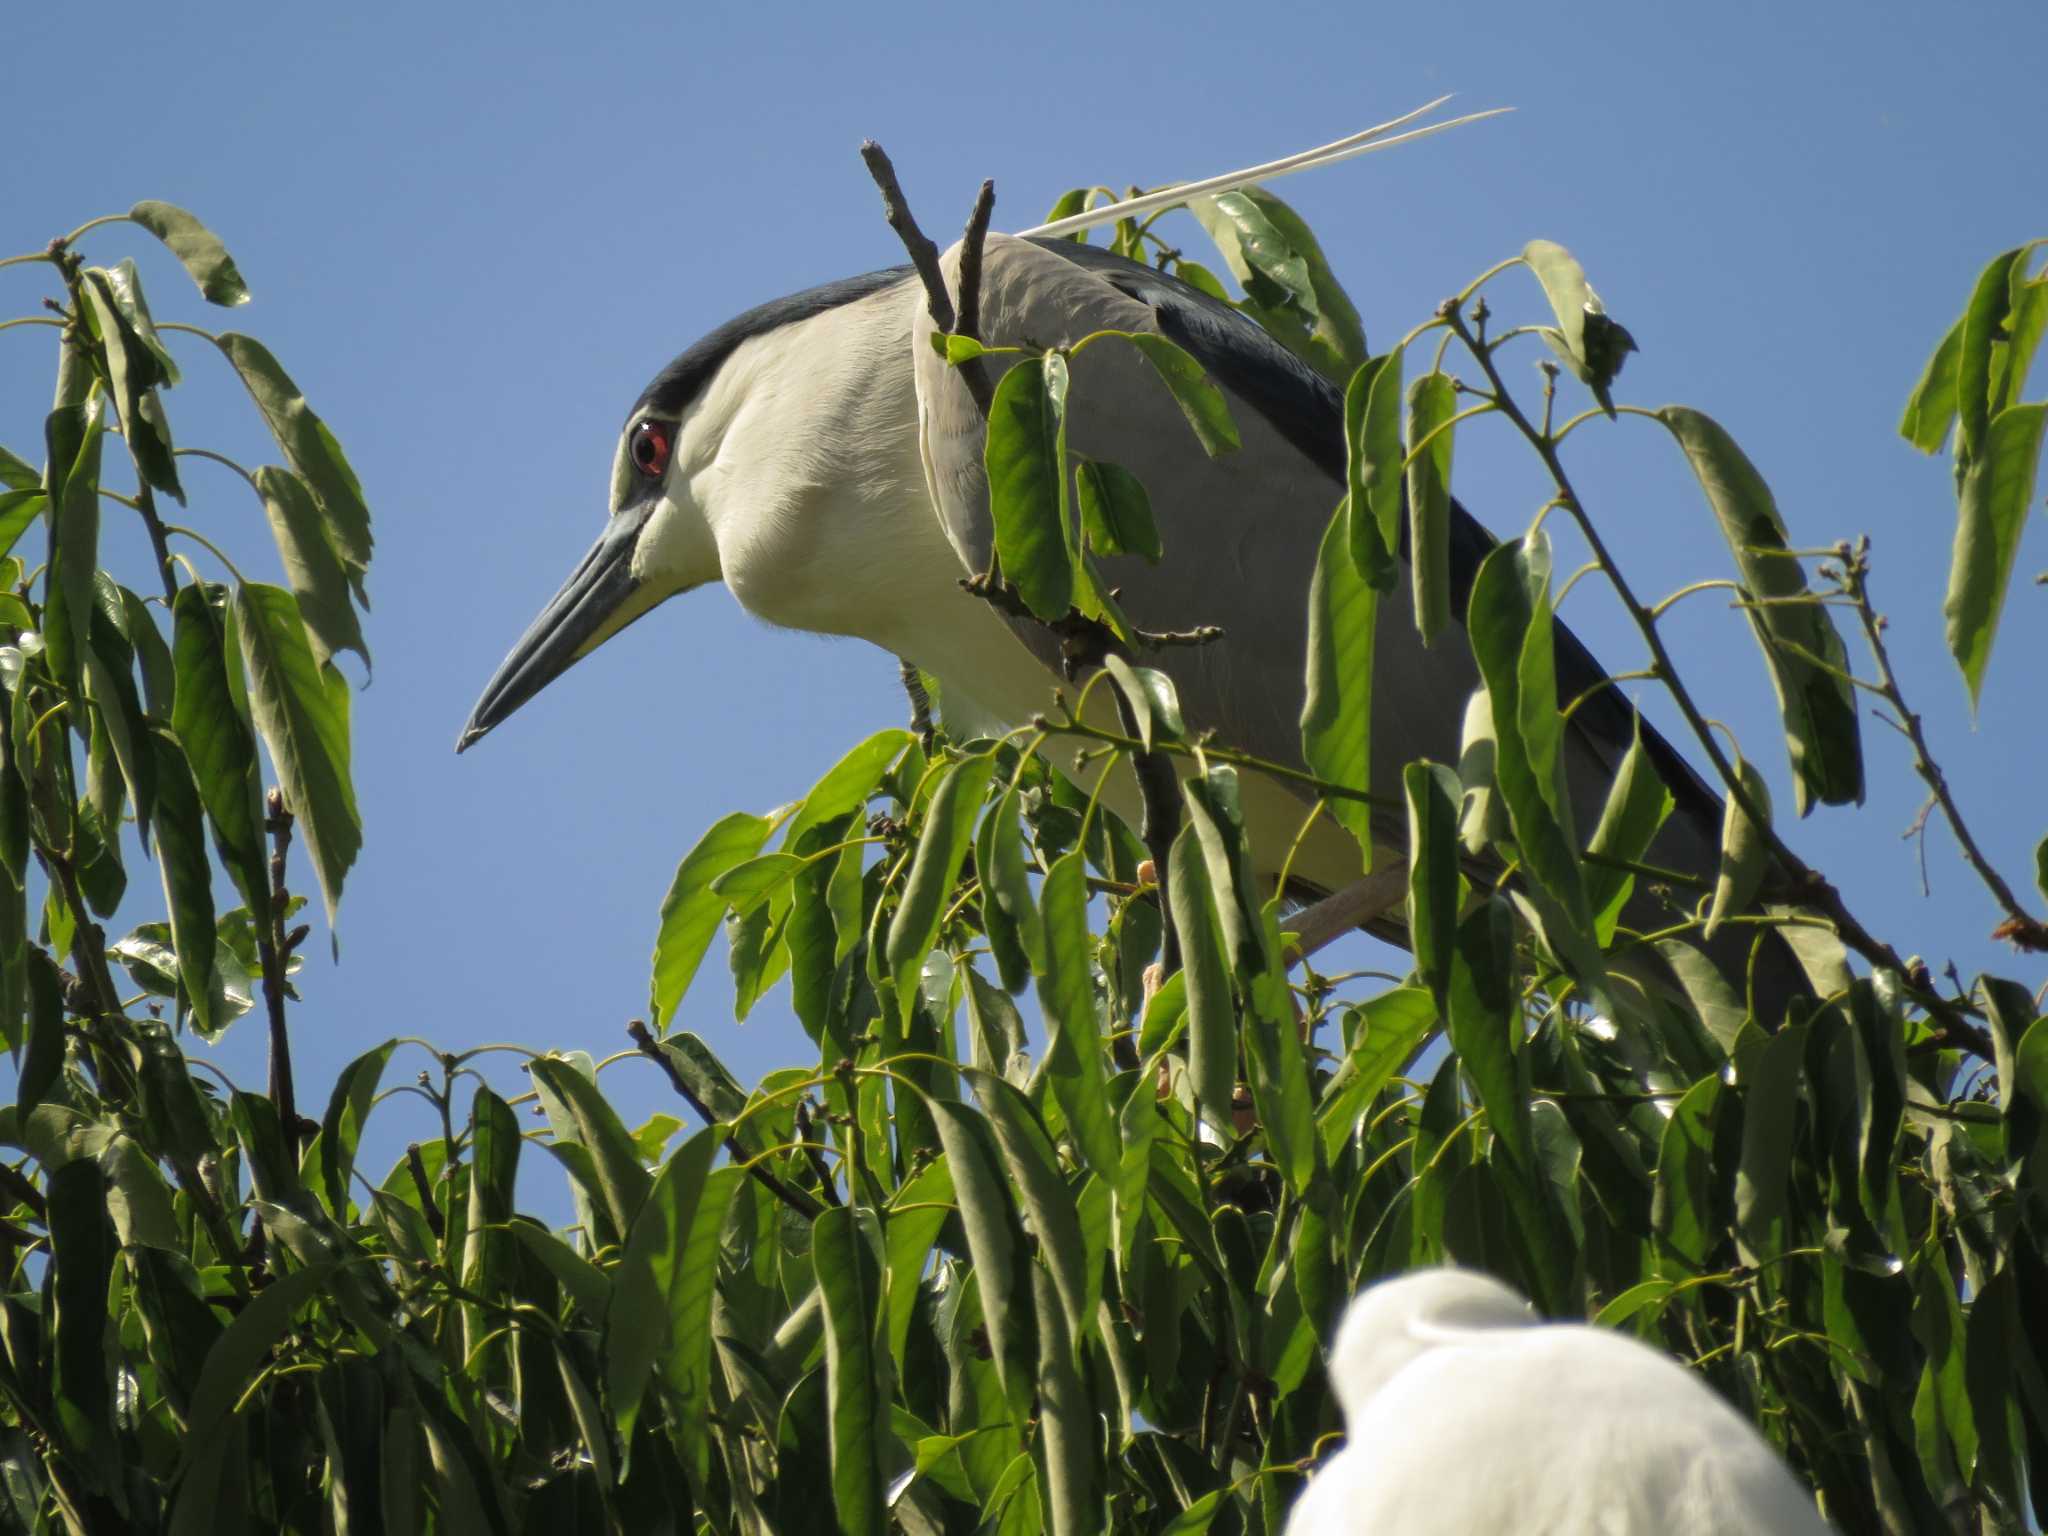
(651, 449)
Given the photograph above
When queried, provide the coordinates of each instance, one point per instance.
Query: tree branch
(923, 254)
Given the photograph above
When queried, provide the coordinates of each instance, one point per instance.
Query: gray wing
(1241, 531)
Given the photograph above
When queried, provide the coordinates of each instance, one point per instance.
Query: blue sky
(473, 233)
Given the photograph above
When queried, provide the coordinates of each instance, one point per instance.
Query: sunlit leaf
(197, 247)
(1995, 495)
(691, 911)
(1200, 401)
(1026, 481)
(1336, 715)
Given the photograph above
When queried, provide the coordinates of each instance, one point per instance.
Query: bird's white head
(1392, 1323)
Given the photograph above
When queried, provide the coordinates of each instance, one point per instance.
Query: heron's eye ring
(650, 449)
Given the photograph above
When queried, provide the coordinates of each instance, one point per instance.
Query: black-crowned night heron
(817, 456)
(1463, 1412)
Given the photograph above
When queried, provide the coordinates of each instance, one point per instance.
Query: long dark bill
(587, 611)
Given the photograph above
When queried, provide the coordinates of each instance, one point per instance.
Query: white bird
(1465, 1414)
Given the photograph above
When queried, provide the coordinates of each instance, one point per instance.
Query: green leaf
(1587, 342)
(16, 473)
(1373, 445)
(1637, 805)
(1325, 333)
(1984, 321)
(301, 710)
(1336, 716)
(995, 1243)
(311, 565)
(1685, 1210)
(1389, 1030)
(921, 1208)
(1068, 1422)
(847, 784)
(1258, 249)
(1116, 514)
(42, 1058)
(1745, 853)
(1152, 699)
(187, 880)
(1198, 398)
(857, 1402)
(752, 881)
(1073, 1055)
(942, 845)
(133, 372)
(1026, 480)
(1432, 401)
(1483, 1006)
(244, 1349)
(19, 509)
(1509, 622)
(1770, 1106)
(1931, 410)
(1799, 640)
(579, 1113)
(1005, 882)
(691, 911)
(1433, 793)
(310, 449)
(82, 1248)
(1371, 554)
(72, 435)
(1035, 1173)
(1212, 1010)
(348, 1111)
(219, 748)
(198, 248)
(1996, 491)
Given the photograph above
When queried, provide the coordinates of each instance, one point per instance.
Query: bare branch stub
(923, 254)
(972, 242)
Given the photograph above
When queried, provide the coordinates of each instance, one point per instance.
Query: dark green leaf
(1686, 1211)
(1389, 1030)
(1637, 804)
(187, 880)
(1588, 343)
(1372, 555)
(1745, 853)
(691, 911)
(1212, 1011)
(640, 1324)
(948, 832)
(310, 449)
(18, 509)
(1983, 328)
(1026, 482)
(1035, 1173)
(1770, 1105)
(43, 1057)
(1336, 717)
(1375, 458)
(1074, 1054)
(243, 1350)
(1432, 401)
(204, 257)
(845, 1269)
(1005, 882)
(301, 710)
(1068, 1434)
(133, 372)
(1484, 1011)
(1799, 640)
(1433, 794)
(1116, 514)
(348, 1110)
(311, 566)
(1198, 398)
(995, 1241)
(16, 473)
(579, 1113)
(1992, 502)
(219, 748)
(72, 435)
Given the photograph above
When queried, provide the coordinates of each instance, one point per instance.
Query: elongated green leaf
(858, 1404)
(1212, 1010)
(1770, 1104)
(948, 831)
(1433, 794)
(1483, 1008)
(1745, 854)
(187, 879)
(1509, 622)
(133, 372)
(1327, 335)
(1389, 1031)
(1035, 1172)
(1069, 1440)
(752, 881)
(1637, 805)
(1374, 448)
(72, 437)
(348, 1111)
(1006, 884)
(1586, 340)
(691, 911)
(1992, 502)
(1197, 396)
(846, 784)
(82, 1248)
(219, 747)
(1073, 1055)
(1025, 490)
(1372, 556)
(1686, 1211)
(1336, 716)
(1211, 802)
(1116, 514)
(580, 1113)
(301, 710)
(1931, 410)
(995, 1242)
(242, 1350)
(197, 247)
(310, 449)
(1257, 249)
(639, 1323)
(1432, 401)
(1984, 321)
(312, 567)
(18, 509)
(1799, 640)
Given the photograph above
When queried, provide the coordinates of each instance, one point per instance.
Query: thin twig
(145, 500)
(416, 1165)
(803, 1204)
(271, 950)
(2022, 927)
(923, 254)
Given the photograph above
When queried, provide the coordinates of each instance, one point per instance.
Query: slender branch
(923, 254)
(416, 1165)
(2020, 926)
(972, 242)
(803, 1204)
(145, 500)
